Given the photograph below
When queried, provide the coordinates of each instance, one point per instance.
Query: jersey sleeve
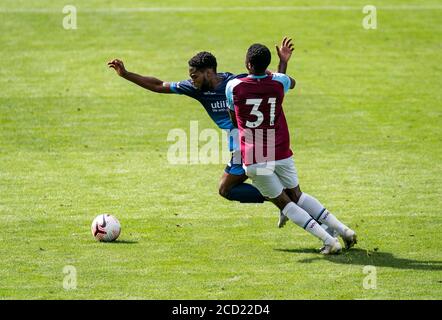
(229, 93)
(284, 79)
(183, 87)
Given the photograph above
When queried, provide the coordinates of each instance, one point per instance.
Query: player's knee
(294, 194)
(298, 194)
(223, 191)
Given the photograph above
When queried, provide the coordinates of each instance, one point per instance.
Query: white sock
(312, 206)
(305, 221)
(330, 220)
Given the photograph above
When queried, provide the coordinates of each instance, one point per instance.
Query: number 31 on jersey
(258, 114)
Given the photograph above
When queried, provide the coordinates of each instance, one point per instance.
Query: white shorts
(272, 178)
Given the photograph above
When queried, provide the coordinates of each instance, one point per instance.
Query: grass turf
(76, 141)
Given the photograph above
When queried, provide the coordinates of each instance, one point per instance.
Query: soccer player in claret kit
(255, 104)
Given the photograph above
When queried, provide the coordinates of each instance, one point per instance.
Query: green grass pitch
(76, 141)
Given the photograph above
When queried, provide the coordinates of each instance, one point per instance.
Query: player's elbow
(157, 89)
(292, 83)
(163, 87)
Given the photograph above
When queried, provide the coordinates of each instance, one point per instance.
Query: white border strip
(227, 9)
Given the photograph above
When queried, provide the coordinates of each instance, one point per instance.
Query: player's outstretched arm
(284, 53)
(149, 83)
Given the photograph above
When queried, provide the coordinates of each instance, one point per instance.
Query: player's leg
(300, 217)
(269, 184)
(232, 187)
(286, 171)
(322, 215)
(295, 194)
(288, 174)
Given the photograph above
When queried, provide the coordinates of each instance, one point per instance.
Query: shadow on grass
(365, 257)
(123, 242)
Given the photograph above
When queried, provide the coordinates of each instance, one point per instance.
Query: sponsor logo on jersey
(219, 106)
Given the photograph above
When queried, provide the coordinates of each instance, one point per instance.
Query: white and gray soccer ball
(106, 228)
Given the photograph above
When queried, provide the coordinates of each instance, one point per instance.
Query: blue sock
(245, 193)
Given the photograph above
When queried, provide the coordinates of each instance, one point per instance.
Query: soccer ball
(106, 228)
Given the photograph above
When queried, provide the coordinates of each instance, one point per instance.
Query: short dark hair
(203, 60)
(259, 57)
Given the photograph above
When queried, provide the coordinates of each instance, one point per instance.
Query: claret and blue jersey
(257, 103)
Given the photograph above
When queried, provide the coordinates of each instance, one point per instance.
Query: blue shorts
(235, 167)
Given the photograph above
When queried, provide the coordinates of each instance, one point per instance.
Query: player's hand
(286, 50)
(118, 65)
